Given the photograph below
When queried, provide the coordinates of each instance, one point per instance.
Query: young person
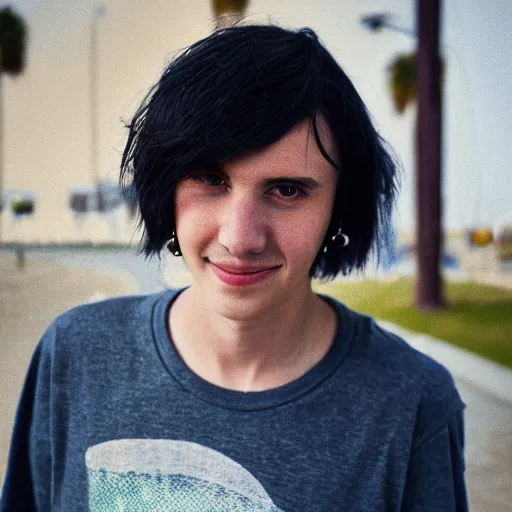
(255, 160)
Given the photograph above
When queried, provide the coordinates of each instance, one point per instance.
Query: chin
(239, 307)
(239, 303)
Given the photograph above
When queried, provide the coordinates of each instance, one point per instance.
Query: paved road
(148, 274)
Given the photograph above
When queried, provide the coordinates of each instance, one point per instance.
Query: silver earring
(340, 239)
(173, 245)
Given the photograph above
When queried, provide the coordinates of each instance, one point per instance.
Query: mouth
(241, 275)
(244, 272)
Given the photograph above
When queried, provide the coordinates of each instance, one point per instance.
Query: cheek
(192, 221)
(193, 228)
(299, 242)
(309, 227)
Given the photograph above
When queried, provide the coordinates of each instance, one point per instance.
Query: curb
(486, 375)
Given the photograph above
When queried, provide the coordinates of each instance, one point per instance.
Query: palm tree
(13, 41)
(403, 78)
(418, 77)
(228, 12)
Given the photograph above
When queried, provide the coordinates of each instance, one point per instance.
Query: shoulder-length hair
(243, 88)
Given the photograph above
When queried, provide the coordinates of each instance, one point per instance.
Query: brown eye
(208, 178)
(213, 179)
(289, 191)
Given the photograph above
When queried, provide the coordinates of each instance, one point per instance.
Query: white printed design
(148, 475)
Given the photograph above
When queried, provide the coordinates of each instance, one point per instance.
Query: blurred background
(435, 77)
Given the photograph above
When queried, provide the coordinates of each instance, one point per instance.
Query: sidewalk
(492, 378)
(29, 301)
(486, 389)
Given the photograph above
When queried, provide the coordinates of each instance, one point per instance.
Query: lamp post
(429, 292)
(377, 21)
(99, 12)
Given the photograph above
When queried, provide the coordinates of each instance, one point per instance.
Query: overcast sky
(47, 110)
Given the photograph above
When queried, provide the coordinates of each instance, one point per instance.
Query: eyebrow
(299, 181)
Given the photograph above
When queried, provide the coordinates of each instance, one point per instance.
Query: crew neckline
(251, 400)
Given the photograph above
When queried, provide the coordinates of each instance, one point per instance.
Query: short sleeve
(435, 478)
(27, 484)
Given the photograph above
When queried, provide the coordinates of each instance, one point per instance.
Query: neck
(254, 354)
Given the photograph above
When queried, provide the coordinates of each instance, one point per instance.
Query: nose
(243, 229)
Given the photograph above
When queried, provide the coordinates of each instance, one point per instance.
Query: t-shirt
(112, 419)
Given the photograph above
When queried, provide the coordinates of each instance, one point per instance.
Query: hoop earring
(340, 239)
(173, 245)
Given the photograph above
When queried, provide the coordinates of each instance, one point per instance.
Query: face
(250, 230)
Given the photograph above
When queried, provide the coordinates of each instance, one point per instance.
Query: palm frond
(229, 6)
(403, 78)
(13, 41)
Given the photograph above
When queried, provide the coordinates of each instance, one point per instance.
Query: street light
(375, 22)
(99, 12)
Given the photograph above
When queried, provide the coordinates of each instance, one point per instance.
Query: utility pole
(99, 11)
(429, 238)
(429, 241)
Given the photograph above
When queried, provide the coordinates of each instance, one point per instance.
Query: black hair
(241, 89)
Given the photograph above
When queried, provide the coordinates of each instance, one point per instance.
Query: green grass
(478, 318)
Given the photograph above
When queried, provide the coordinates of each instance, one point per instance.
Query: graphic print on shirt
(161, 475)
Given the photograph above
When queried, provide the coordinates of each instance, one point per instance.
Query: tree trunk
(429, 291)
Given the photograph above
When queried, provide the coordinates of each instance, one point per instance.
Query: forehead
(295, 153)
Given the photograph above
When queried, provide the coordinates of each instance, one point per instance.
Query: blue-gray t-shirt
(111, 419)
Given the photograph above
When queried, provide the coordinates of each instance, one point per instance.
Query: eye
(208, 178)
(289, 191)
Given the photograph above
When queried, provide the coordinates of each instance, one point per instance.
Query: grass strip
(478, 318)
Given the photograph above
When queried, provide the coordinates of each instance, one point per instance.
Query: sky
(47, 135)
